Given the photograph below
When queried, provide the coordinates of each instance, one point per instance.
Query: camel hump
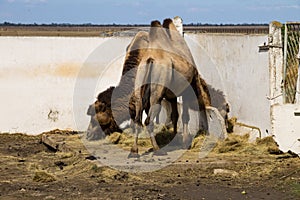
(171, 29)
(140, 41)
(167, 23)
(141, 34)
(155, 23)
(158, 37)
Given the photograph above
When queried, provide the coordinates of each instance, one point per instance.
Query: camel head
(100, 119)
(102, 122)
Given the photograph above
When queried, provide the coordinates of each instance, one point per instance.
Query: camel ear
(91, 110)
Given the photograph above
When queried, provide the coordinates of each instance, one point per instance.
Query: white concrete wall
(286, 123)
(234, 65)
(37, 80)
(48, 82)
(284, 117)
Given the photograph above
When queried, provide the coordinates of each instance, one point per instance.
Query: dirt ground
(235, 169)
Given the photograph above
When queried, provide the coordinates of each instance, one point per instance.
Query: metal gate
(291, 63)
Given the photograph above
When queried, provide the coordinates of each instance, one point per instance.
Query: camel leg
(137, 124)
(167, 106)
(157, 119)
(134, 152)
(150, 125)
(185, 121)
(155, 101)
(139, 91)
(174, 114)
(132, 125)
(203, 123)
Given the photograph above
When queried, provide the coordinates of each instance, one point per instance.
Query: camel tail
(145, 90)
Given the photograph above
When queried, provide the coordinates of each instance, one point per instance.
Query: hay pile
(106, 174)
(42, 176)
(163, 137)
(240, 144)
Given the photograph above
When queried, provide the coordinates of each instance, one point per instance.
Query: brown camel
(170, 67)
(109, 116)
(101, 110)
(172, 49)
(102, 122)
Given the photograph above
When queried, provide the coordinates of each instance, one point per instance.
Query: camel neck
(123, 92)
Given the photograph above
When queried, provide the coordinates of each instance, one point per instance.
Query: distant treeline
(119, 25)
(206, 24)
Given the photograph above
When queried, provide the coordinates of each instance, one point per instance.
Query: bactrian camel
(170, 68)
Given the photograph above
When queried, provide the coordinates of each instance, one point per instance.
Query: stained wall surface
(48, 82)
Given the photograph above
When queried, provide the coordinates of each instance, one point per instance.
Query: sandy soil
(235, 169)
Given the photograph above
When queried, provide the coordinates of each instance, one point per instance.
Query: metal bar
(292, 60)
(284, 62)
(292, 23)
(297, 113)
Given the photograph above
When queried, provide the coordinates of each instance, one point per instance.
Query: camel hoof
(187, 142)
(149, 150)
(133, 155)
(186, 146)
(92, 137)
(176, 141)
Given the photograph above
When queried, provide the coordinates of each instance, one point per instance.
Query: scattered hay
(296, 189)
(109, 175)
(233, 144)
(95, 168)
(127, 140)
(164, 137)
(64, 155)
(225, 172)
(116, 138)
(61, 132)
(197, 142)
(41, 176)
(114, 174)
(230, 124)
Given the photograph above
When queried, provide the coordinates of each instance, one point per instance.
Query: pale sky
(144, 11)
